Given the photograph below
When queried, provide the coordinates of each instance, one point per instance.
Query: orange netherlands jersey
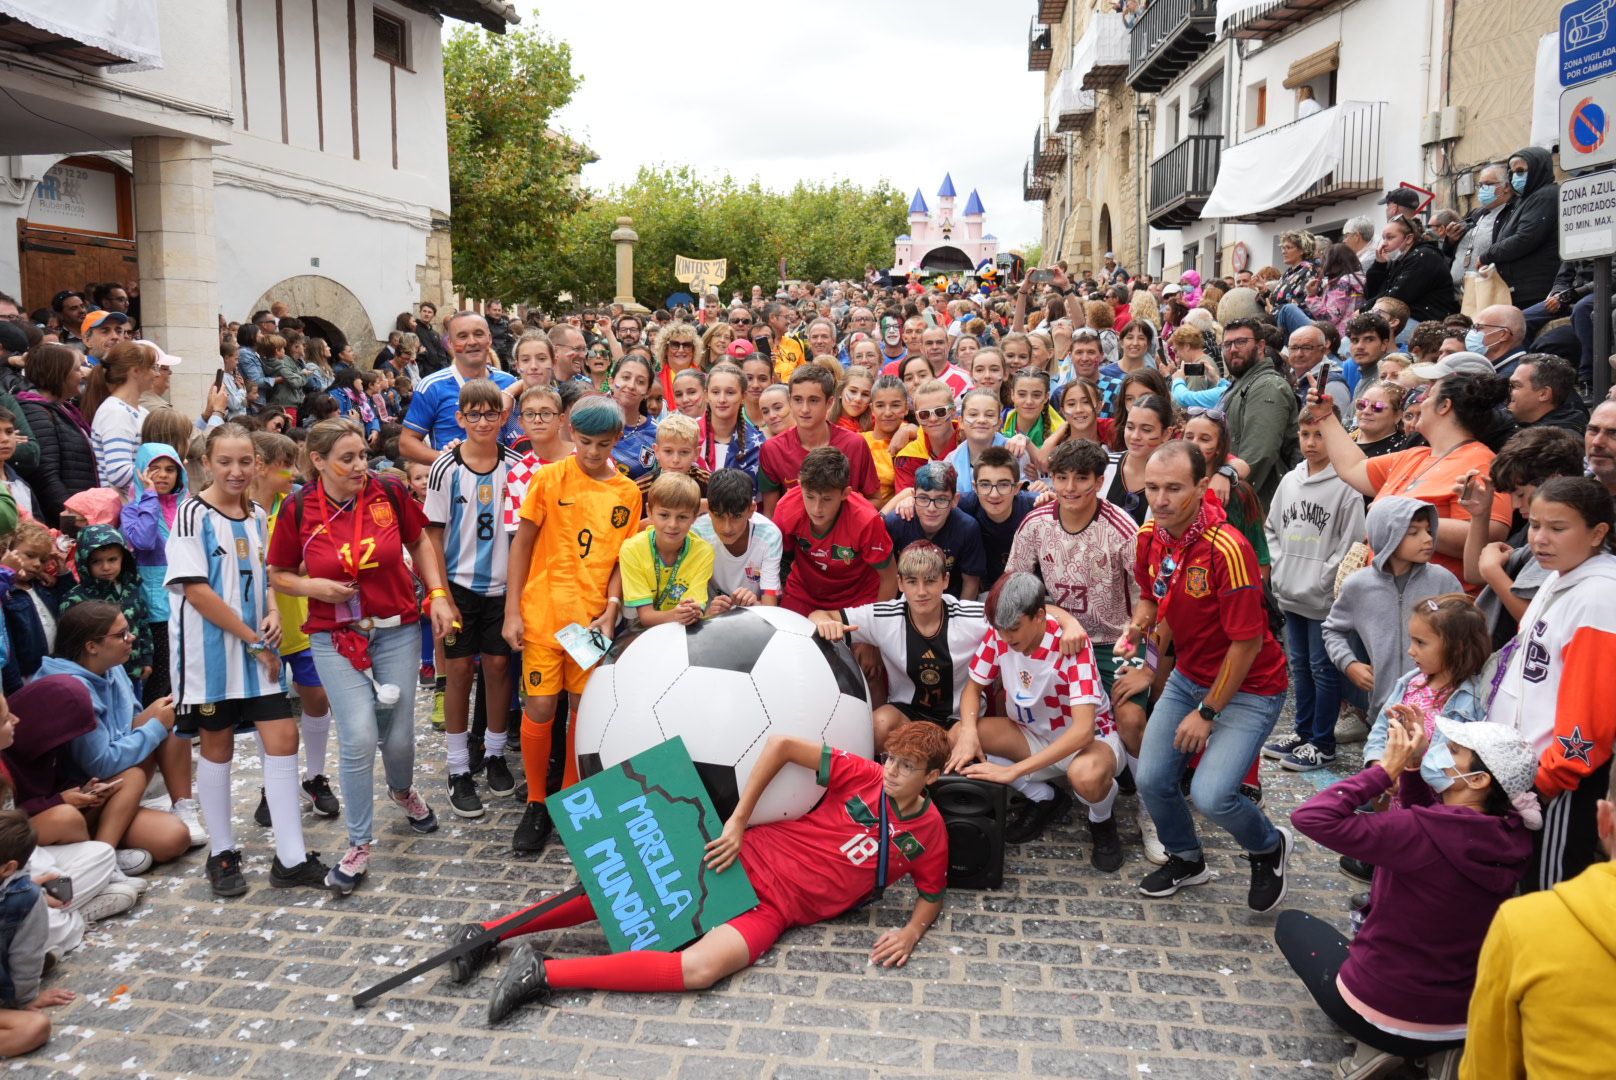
(582, 524)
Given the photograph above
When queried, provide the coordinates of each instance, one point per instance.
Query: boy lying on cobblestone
(804, 871)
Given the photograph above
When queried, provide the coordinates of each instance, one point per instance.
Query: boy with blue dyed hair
(465, 510)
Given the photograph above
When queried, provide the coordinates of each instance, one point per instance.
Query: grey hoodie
(1374, 606)
(1312, 522)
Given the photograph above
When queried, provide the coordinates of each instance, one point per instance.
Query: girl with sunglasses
(1379, 410)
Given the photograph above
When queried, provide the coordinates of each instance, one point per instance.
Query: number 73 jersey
(582, 523)
(470, 507)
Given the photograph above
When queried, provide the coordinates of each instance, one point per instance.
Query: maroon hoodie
(51, 713)
(1440, 874)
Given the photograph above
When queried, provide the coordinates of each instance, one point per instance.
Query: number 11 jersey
(470, 505)
(583, 523)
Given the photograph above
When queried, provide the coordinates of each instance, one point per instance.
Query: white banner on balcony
(1232, 10)
(126, 28)
(1274, 168)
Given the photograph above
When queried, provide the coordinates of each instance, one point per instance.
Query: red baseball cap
(740, 349)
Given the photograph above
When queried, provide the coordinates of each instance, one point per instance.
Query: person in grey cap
(1444, 865)
(1401, 202)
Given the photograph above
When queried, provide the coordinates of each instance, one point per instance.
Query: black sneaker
(1033, 818)
(317, 791)
(521, 981)
(476, 755)
(1357, 869)
(1126, 784)
(533, 831)
(224, 874)
(1252, 792)
(1268, 874)
(463, 799)
(467, 964)
(499, 778)
(1107, 854)
(310, 873)
(261, 815)
(1358, 902)
(1177, 874)
(1281, 746)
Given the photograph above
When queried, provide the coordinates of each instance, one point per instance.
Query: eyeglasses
(901, 766)
(1371, 406)
(934, 414)
(539, 416)
(125, 634)
(934, 502)
(995, 487)
(740, 322)
(481, 416)
(691, 345)
(1307, 348)
(1213, 413)
(1164, 577)
(1242, 342)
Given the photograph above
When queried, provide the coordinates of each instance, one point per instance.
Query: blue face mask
(1518, 182)
(1476, 340)
(1487, 194)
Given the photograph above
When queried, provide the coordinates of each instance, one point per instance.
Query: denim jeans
(362, 725)
(1236, 739)
(1582, 322)
(1315, 679)
(1292, 317)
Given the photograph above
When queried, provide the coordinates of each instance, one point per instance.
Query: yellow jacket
(1545, 990)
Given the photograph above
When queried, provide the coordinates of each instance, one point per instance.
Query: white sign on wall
(1588, 216)
(73, 197)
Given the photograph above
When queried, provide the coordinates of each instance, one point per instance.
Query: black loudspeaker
(974, 812)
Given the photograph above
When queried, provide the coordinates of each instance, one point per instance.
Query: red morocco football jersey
(823, 863)
(1215, 597)
(337, 545)
(837, 570)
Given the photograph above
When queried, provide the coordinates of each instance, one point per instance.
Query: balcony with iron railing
(1071, 106)
(1034, 187)
(1100, 56)
(1048, 151)
(1271, 19)
(1357, 172)
(1181, 180)
(1169, 36)
(1040, 47)
(1050, 12)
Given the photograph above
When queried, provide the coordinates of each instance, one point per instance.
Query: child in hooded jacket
(160, 487)
(107, 571)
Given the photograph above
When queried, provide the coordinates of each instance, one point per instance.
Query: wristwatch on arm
(1208, 713)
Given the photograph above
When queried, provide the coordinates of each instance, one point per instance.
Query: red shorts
(763, 925)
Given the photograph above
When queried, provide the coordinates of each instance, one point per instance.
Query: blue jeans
(1292, 317)
(1315, 679)
(1582, 322)
(362, 725)
(1236, 739)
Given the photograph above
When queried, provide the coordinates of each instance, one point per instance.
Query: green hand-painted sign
(636, 833)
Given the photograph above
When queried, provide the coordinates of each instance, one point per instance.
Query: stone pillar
(625, 238)
(179, 258)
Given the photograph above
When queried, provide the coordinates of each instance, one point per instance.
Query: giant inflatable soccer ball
(725, 685)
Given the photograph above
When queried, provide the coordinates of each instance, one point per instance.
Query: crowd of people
(1087, 535)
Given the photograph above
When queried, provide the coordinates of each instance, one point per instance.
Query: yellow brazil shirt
(650, 582)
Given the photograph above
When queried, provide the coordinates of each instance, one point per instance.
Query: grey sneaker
(1351, 727)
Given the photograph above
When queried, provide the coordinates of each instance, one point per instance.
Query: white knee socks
(1101, 811)
(459, 755)
(494, 743)
(285, 813)
(213, 792)
(1034, 790)
(316, 733)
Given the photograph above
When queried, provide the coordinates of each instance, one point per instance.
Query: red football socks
(642, 971)
(536, 756)
(574, 911)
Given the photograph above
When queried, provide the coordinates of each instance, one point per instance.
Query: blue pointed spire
(947, 190)
(973, 205)
(917, 205)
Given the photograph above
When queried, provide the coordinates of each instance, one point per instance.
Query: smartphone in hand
(59, 888)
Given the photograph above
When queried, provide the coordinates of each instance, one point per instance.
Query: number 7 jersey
(583, 524)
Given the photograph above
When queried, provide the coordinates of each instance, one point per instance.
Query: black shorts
(482, 625)
(912, 711)
(238, 714)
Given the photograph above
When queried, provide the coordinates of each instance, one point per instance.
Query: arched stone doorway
(329, 310)
(1106, 243)
(948, 259)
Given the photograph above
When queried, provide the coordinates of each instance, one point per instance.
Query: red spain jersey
(1214, 597)
(781, 457)
(363, 539)
(823, 863)
(1041, 687)
(838, 569)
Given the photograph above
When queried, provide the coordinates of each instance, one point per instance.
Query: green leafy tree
(512, 178)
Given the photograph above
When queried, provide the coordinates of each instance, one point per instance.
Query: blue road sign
(1587, 45)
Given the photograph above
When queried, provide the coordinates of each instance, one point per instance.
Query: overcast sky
(862, 89)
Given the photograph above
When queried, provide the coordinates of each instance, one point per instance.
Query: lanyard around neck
(351, 560)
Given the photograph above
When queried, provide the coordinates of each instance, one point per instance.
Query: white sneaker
(1350, 727)
(134, 861)
(136, 883)
(188, 811)
(1154, 852)
(115, 898)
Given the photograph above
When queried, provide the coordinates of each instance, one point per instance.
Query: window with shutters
(392, 39)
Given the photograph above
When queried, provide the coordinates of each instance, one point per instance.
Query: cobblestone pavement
(1065, 972)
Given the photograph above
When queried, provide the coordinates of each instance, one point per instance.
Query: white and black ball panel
(724, 686)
